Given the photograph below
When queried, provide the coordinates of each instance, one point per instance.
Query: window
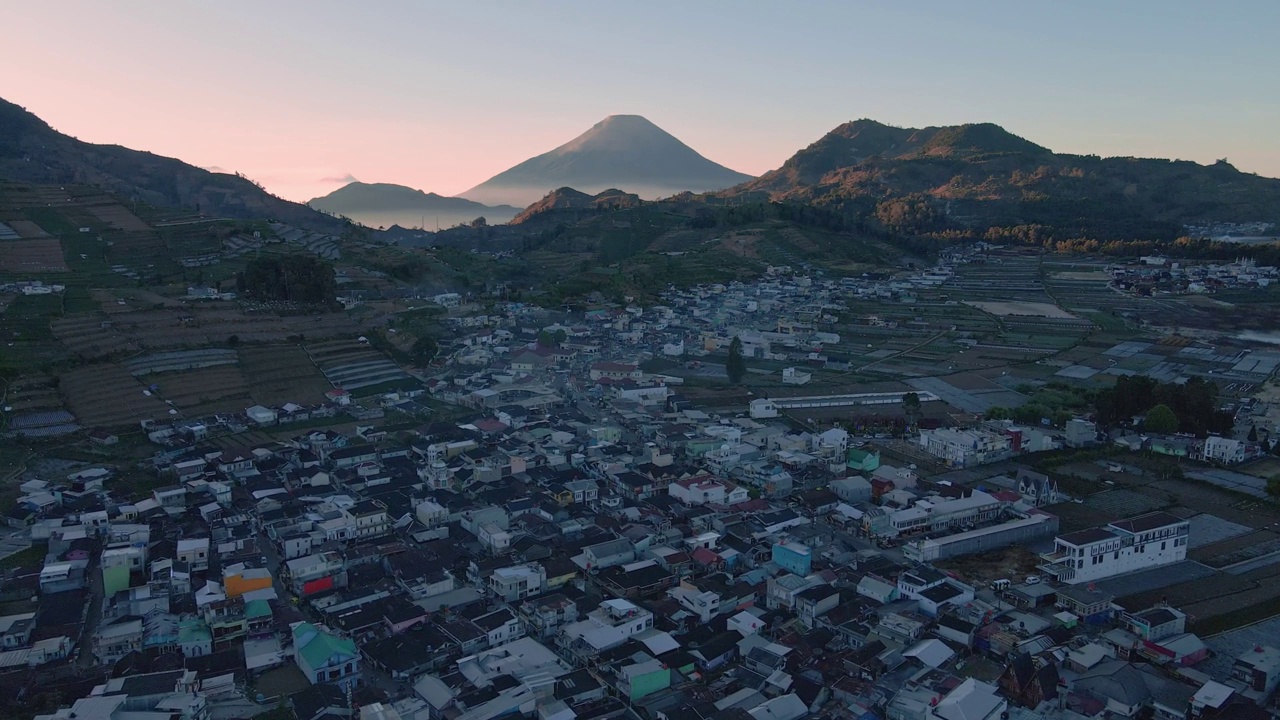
(1162, 545)
(1115, 555)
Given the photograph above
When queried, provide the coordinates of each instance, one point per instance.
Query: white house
(705, 489)
(261, 415)
(325, 658)
(962, 448)
(792, 376)
(762, 408)
(1227, 451)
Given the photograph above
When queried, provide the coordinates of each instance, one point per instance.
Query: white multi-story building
(1227, 451)
(1124, 546)
(608, 626)
(962, 448)
(706, 489)
(518, 582)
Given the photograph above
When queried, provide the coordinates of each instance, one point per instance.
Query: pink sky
(300, 94)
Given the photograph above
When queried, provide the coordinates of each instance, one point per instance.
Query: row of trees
(1190, 408)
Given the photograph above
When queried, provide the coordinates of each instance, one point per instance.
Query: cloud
(215, 169)
(339, 179)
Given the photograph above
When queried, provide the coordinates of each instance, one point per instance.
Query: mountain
(621, 151)
(569, 199)
(976, 177)
(385, 204)
(31, 151)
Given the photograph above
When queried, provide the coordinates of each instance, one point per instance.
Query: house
(792, 376)
(517, 582)
(608, 554)
(851, 490)
(1029, 681)
(762, 408)
(615, 371)
(1139, 543)
(103, 437)
(608, 626)
(1256, 673)
(971, 700)
(964, 448)
(707, 490)
(324, 657)
(260, 415)
(194, 552)
(1227, 451)
(1081, 433)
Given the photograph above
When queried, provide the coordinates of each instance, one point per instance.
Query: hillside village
(592, 534)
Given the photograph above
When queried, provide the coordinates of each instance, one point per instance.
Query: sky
(304, 96)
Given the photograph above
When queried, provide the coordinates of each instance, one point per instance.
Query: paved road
(85, 661)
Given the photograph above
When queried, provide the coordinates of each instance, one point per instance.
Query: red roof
(703, 556)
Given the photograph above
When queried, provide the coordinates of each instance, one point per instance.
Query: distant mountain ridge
(387, 204)
(625, 152)
(31, 151)
(569, 199)
(980, 175)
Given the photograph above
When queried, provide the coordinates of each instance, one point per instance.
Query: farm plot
(352, 365)
(93, 335)
(26, 332)
(179, 360)
(108, 396)
(174, 327)
(280, 374)
(118, 217)
(36, 410)
(32, 256)
(1027, 309)
(203, 391)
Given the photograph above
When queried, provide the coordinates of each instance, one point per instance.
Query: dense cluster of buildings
(586, 544)
(1154, 274)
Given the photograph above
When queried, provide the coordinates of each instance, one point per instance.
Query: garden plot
(118, 217)
(32, 256)
(108, 396)
(180, 360)
(134, 325)
(280, 374)
(352, 365)
(203, 391)
(1027, 309)
(28, 229)
(92, 336)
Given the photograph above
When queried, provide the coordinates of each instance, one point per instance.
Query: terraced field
(351, 365)
(107, 395)
(280, 374)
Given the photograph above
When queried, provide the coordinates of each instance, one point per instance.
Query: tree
(424, 350)
(911, 404)
(735, 366)
(1273, 486)
(1161, 419)
(233, 340)
(1253, 434)
(997, 412)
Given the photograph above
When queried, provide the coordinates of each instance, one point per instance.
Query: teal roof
(321, 646)
(191, 631)
(257, 609)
